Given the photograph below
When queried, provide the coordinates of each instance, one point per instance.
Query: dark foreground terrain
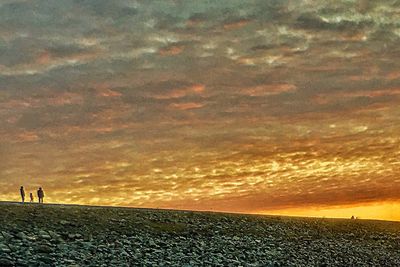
(56, 235)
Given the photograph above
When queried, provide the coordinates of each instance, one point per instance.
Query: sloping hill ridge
(60, 235)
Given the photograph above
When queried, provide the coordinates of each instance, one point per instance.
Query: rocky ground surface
(57, 235)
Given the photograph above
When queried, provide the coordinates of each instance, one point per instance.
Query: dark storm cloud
(211, 100)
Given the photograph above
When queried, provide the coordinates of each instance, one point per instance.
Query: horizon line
(4, 202)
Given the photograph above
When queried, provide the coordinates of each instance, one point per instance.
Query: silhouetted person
(40, 195)
(31, 196)
(352, 217)
(22, 191)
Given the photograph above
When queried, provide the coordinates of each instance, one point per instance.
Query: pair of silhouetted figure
(40, 194)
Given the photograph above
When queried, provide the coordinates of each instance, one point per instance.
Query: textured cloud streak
(224, 105)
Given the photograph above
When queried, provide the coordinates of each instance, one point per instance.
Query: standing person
(31, 195)
(22, 191)
(40, 194)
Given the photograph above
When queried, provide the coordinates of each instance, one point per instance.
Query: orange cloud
(109, 93)
(65, 99)
(171, 50)
(354, 37)
(193, 22)
(55, 99)
(332, 97)
(44, 58)
(104, 89)
(269, 89)
(236, 24)
(20, 103)
(104, 129)
(394, 75)
(195, 89)
(377, 93)
(186, 106)
(28, 137)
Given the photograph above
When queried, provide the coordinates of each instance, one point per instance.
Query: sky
(273, 107)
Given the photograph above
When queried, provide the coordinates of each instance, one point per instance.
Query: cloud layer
(201, 104)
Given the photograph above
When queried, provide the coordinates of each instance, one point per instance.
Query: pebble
(171, 238)
(44, 249)
(6, 262)
(4, 248)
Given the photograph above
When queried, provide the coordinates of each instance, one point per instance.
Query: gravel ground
(58, 235)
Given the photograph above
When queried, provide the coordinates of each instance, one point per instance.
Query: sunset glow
(267, 107)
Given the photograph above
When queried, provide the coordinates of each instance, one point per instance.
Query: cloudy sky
(245, 106)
